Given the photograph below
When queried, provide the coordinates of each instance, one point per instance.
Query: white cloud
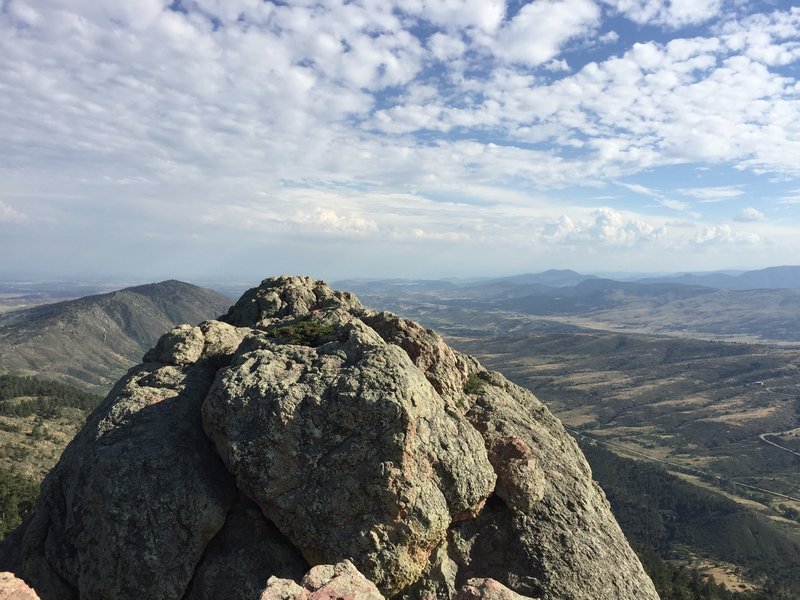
(180, 98)
(328, 221)
(660, 198)
(354, 124)
(539, 30)
(485, 15)
(723, 234)
(768, 39)
(672, 13)
(611, 37)
(638, 188)
(446, 47)
(605, 226)
(674, 204)
(10, 215)
(555, 66)
(712, 194)
(749, 215)
(421, 234)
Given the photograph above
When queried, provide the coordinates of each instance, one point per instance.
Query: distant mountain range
(90, 342)
(754, 306)
(787, 277)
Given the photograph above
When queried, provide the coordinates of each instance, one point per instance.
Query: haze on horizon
(202, 139)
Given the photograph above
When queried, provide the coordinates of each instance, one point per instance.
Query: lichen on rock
(348, 448)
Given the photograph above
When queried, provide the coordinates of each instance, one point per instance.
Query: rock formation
(302, 429)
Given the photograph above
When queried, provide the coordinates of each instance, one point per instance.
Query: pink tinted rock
(487, 589)
(341, 581)
(283, 589)
(13, 588)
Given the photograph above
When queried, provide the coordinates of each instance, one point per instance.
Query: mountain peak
(286, 297)
(305, 434)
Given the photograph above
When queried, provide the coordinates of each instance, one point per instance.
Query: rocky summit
(305, 446)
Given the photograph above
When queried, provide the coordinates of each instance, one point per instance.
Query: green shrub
(304, 333)
(474, 384)
(17, 498)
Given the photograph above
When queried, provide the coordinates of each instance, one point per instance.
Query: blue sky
(206, 139)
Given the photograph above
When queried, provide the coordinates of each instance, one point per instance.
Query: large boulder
(300, 430)
(348, 449)
(139, 493)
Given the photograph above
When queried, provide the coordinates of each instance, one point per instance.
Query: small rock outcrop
(486, 589)
(302, 433)
(12, 588)
(324, 582)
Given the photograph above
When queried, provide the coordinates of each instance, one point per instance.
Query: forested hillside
(38, 418)
(665, 517)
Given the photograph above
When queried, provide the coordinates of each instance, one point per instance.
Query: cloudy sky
(214, 139)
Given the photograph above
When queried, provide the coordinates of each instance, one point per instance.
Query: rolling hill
(90, 342)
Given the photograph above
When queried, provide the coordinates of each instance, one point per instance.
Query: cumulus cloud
(610, 37)
(328, 221)
(749, 215)
(672, 13)
(723, 234)
(228, 88)
(446, 47)
(484, 15)
(557, 65)
(539, 29)
(606, 226)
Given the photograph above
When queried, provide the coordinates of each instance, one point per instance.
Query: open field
(696, 403)
(726, 574)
